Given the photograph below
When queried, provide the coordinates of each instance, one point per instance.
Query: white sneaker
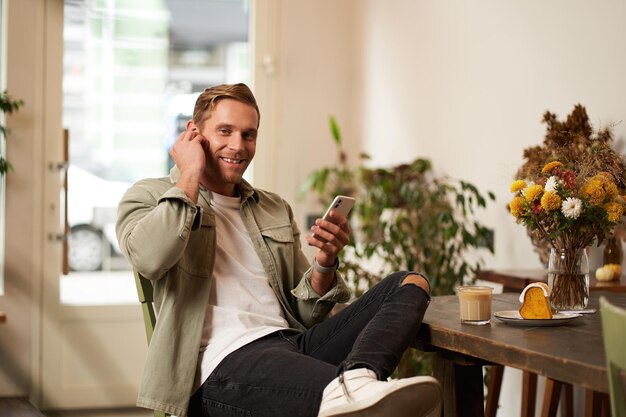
(359, 393)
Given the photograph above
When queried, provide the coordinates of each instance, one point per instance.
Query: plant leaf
(334, 129)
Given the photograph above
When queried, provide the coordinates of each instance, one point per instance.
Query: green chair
(144, 291)
(614, 331)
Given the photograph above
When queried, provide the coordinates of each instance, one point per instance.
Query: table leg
(567, 407)
(529, 393)
(462, 388)
(596, 404)
(493, 390)
(551, 397)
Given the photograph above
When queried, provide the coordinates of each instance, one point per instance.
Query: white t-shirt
(242, 305)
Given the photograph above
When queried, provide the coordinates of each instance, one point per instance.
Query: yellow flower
(550, 166)
(550, 201)
(611, 190)
(604, 175)
(518, 185)
(594, 191)
(516, 206)
(614, 211)
(533, 192)
(608, 184)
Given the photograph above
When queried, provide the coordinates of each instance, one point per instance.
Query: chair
(614, 331)
(145, 294)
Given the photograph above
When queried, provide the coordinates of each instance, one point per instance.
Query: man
(241, 326)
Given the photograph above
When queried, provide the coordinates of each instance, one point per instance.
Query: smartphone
(341, 204)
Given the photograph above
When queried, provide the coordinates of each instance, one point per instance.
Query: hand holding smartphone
(341, 204)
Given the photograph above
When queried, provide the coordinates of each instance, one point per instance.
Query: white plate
(513, 318)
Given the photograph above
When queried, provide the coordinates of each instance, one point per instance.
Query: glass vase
(568, 278)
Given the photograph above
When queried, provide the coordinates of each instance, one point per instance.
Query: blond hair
(207, 101)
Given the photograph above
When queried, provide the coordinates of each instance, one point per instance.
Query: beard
(232, 178)
(216, 173)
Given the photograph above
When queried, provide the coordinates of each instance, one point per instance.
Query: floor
(20, 407)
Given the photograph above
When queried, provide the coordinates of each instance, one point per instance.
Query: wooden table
(515, 280)
(572, 353)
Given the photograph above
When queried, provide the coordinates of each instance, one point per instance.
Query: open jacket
(171, 241)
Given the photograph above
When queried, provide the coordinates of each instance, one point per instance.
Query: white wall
(317, 74)
(466, 83)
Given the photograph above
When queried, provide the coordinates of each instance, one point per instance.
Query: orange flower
(550, 201)
(594, 191)
(550, 166)
(614, 211)
(518, 186)
(610, 189)
(517, 206)
(533, 192)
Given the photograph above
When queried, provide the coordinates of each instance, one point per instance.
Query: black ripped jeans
(285, 373)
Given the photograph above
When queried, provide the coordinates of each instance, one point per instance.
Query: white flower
(551, 184)
(571, 207)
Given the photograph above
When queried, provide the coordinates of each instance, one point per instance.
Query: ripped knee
(418, 280)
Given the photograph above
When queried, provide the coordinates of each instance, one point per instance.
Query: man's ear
(191, 125)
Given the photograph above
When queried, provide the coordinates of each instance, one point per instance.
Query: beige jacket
(171, 241)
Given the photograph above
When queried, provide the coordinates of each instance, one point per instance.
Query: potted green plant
(8, 105)
(406, 218)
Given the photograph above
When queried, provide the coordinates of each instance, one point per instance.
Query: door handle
(62, 167)
(66, 224)
(57, 237)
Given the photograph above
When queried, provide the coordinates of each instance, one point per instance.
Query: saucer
(513, 318)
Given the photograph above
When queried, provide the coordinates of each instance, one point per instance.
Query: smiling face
(231, 131)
